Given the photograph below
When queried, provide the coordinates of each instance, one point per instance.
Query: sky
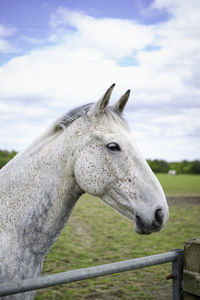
(58, 54)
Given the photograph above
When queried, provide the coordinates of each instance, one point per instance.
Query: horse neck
(41, 198)
(58, 189)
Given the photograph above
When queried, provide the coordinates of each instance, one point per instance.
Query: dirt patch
(186, 200)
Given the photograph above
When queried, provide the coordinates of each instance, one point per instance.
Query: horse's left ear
(121, 103)
(101, 105)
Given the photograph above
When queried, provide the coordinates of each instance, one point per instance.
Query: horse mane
(82, 110)
(72, 115)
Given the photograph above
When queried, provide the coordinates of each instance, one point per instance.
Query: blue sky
(30, 19)
(58, 54)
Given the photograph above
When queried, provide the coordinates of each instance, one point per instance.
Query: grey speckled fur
(40, 186)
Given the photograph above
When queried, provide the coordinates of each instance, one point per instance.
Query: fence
(191, 272)
(175, 256)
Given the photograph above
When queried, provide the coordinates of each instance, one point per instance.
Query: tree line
(182, 167)
(158, 166)
(5, 156)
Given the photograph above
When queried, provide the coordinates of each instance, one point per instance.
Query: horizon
(146, 158)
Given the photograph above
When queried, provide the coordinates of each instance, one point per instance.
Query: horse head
(109, 164)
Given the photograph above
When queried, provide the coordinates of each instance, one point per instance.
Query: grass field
(180, 185)
(96, 234)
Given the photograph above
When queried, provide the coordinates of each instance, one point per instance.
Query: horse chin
(146, 230)
(141, 231)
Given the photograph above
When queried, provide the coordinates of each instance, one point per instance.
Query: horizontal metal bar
(10, 288)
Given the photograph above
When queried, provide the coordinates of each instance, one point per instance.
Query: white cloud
(5, 45)
(83, 61)
(162, 135)
(6, 31)
(114, 38)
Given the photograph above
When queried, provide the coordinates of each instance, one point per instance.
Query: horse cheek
(89, 176)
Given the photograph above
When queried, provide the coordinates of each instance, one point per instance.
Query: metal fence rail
(175, 256)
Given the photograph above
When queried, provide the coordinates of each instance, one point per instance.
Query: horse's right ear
(101, 105)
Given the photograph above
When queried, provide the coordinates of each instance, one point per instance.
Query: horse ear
(101, 105)
(121, 103)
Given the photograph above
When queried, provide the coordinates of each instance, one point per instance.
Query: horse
(91, 150)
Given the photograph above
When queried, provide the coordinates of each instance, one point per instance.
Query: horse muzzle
(147, 226)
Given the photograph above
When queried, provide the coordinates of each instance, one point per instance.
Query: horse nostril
(159, 216)
(139, 221)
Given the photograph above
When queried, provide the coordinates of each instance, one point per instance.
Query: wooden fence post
(191, 272)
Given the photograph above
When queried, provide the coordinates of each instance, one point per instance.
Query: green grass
(96, 234)
(180, 185)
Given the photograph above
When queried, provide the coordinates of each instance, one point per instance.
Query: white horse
(88, 150)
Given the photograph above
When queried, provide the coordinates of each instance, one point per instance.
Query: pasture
(96, 234)
(180, 185)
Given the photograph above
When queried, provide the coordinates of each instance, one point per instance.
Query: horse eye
(113, 147)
